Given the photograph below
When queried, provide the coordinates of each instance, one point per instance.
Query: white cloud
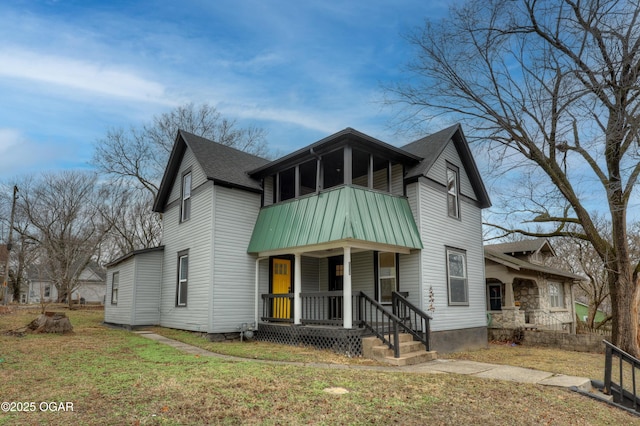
(8, 138)
(72, 73)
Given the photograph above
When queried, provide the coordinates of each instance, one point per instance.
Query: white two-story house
(345, 237)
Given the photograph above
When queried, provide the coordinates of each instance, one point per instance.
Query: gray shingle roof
(518, 264)
(524, 246)
(222, 164)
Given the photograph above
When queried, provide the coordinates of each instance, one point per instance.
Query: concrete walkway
(440, 366)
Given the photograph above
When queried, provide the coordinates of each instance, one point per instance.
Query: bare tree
(135, 160)
(579, 257)
(552, 89)
(64, 217)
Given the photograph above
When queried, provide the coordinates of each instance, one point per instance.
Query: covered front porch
(328, 269)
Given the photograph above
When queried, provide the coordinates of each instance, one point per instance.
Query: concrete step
(412, 358)
(383, 351)
(411, 352)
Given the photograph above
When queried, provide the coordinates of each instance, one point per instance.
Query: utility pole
(6, 266)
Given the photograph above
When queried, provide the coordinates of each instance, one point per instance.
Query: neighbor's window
(115, 283)
(457, 277)
(47, 291)
(183, 274)
(185, 211)
(556, 295)
(387, 280)
(453, 206)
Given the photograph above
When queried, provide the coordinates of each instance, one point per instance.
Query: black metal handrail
(413, 320)
(380, 322)
(627, 397)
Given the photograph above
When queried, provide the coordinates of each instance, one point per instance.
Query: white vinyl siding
(121, 312)
(438, 232)
(233, 295)
(148, 277)
(195, 235)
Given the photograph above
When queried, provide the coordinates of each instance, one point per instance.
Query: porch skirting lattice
(340, 340)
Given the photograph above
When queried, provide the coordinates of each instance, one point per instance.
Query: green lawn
(116, 377)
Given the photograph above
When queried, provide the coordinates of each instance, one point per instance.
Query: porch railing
(277, 307)
(327, 308)
(620, 377)
(413, 320)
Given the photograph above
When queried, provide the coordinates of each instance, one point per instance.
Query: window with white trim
(453, 204)
(185, 206)
(556, 295)
(387, 280)
(183, 280)
(457, 277)
(115, 284)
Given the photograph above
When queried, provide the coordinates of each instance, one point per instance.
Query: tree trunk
(624, 309)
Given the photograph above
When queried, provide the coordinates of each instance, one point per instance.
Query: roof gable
(222, 164)
(431, 147)
(534, 245)
(517, 264)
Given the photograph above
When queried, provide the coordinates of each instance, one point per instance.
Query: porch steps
(411, 352)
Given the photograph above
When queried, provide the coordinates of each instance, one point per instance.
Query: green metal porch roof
(344, 213)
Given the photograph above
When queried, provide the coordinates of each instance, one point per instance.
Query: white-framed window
(453, 204)
(115, 284)
(183, 280)
(185, 207)
(457, 277)
(556, 295)
(387, 278)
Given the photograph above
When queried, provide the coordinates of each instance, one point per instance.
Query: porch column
(346, 289)
(297, 289)
(509, 301)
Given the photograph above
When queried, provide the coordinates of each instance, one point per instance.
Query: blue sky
(71, 70)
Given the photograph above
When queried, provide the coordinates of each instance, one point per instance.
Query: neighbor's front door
(281, 284)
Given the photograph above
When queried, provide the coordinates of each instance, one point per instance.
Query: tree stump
(51, 322)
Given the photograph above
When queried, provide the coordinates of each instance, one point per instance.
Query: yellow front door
(281, 284)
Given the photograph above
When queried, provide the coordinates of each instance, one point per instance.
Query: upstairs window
(115, 283)
(185, 206)
(333, 169)
(453, 205)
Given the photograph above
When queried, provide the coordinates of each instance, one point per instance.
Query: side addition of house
(304, 248)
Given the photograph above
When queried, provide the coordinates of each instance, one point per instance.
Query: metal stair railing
(380, 322)
(624, 390)
(414, 321)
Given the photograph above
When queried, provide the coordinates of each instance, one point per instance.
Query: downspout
(257, 295)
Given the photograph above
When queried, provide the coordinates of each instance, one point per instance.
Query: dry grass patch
(117, 377)
(571, 363)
